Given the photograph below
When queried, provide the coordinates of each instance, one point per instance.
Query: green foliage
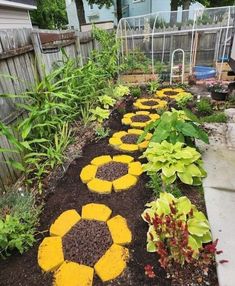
(183, 99)
(99, 114)
(204, 106)
(174, 161)
(155, 184)
(177, 230)
(106, 101)
(136, 61)
(50, 14)
(153, 86)
(135, 91)
(219, 117)
(120, 91)
(174, 127)
(101, 133)
(19, 217)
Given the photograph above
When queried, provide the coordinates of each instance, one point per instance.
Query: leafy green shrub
(136, 61)
(204, 106)
(135, 91)
(106, 101)
(155, 183)
(120, 91)
(216, 117)
(153, 86)
(177, 230)
(174, 161)
(174, 127)
(99, 114)
(101, 133)
(183, 99)
(19, 217)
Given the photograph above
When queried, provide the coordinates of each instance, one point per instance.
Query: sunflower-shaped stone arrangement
(139, 119)
(150, 104)
(168, 92)
(105, 174)
(78, 246)
(128, 140)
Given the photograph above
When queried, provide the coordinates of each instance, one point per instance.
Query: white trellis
(145, 30)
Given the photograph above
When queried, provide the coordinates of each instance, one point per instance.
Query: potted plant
(219, 90)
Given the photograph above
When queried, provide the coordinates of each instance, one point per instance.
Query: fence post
(78, 49)
(38, 55)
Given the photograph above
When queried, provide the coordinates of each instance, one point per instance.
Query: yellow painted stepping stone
(64, 223)
(96, 212)
(119, 230)
(50, 253)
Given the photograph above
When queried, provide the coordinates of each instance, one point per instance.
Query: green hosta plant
(177, 230)
(120, 91)
(175, 126)
(183, 98)
(99, 114)
(174, 160)
(106, 101)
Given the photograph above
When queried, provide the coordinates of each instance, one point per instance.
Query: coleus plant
(177, 231)
(174, 160)
(176, 126)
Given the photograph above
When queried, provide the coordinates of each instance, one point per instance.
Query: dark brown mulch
(149, 102)
(130, 139)
(87, 242)
(171, 92)
(140, 118)
(112, 171)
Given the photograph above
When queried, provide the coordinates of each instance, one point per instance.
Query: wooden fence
(26, 55)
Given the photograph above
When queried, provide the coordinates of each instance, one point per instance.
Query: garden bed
(71, 193)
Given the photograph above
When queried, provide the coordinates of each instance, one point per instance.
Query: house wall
(92, 15)
(11, 18)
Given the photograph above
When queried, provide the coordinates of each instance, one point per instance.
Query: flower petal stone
(88, 173)
(142, 112)
(135, 169)
(50, 253)
(98, 212)
(124, 183)
(112, 263)
(119, 230)
(129, 147)
(123, 158)
(135, 131)
(101, 160)
(73, 274)
(100, 186)
(115, 141)
(64, 223)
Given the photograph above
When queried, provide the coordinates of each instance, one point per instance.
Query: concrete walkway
(219, 188)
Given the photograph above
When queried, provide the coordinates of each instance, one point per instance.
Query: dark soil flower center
(130, 139)
(112, 171)
(140, 118)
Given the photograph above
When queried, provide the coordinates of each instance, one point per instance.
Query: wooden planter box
(137, 78)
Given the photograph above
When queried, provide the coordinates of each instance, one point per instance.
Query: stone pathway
(219, 188)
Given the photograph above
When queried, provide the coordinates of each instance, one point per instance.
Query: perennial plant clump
(177, 231)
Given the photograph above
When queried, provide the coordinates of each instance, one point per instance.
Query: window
(137, 1)
(91, 6)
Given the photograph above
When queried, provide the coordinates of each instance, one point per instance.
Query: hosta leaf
(168, 170)
(185, 178)
(168, 180)
(184, 205)
(163, 207)
(193, 244)
(206, 237)
(197, 227)
(151, 247)
(193, 170)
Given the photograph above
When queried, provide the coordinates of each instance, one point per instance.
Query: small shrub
(153, 86)
(155, 183)
(120, 91)
(183, 99)
(215, 118)
(19, 217)
(204, 106)
(177, 231)
(101, 133)
(174, 161)
(135, 92)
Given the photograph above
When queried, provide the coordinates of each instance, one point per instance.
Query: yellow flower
(149, 104)
(168, 92)
(110, 265)
(139, 119)
(127, 141)
(105, 173)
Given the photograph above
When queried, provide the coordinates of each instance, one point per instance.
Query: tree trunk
(119, 9)
(81, 12)
(185, 14)
(174, 7)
